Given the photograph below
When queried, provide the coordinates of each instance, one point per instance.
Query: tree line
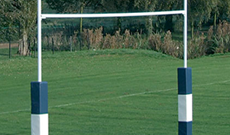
(23, 13)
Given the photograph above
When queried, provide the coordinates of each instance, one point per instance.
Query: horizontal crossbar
(45, 16)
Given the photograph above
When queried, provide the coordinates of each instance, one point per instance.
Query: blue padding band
(184, 81)
(39, 97)
(185, 128)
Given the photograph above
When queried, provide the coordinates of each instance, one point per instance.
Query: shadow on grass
(3, 54)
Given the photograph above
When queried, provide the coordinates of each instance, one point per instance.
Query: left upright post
(39, 90)
(39, 14)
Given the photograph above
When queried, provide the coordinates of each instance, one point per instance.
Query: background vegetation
(208, 26)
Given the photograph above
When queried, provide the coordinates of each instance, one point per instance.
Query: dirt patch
(6, 45)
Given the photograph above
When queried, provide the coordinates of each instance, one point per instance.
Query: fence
(9, 37)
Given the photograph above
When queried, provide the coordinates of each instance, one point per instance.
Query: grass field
(114, 92)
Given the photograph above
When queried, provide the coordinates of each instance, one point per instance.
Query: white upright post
(185, 32)
(39, 41)
(185, 97)
(39, 90)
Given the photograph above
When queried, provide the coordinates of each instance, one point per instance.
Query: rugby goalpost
(39, 89)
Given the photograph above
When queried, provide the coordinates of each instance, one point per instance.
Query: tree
(199, 11)
(23, 12)
(116, 6)
(169, 5)
(72, 6)
(219, 9)
(77, 6)
(147, 6)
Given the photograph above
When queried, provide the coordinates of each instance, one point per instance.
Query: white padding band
(39, 124)
(185, 108)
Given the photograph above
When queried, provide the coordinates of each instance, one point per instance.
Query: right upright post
(185, 98)
(185, 32)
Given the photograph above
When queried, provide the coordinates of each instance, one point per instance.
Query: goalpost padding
(185, 101)
(39, 108)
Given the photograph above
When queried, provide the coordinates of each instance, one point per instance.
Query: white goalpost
(39, 94)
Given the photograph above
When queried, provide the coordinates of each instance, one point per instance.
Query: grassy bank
(110, 92)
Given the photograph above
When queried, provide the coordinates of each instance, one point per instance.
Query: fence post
(52, 45)
(47, 47)
(34, 48)
(9, 47)
(80, 40)
(9, 40)
(29, 46)
(71, 42)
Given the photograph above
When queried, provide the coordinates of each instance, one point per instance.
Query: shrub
(155, 42)
(215, 41)
(219, 42)
(166, 45)
(197, 46)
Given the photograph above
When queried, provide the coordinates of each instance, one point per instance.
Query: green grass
(114, 92)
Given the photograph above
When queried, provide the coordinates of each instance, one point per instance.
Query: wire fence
(67, 36)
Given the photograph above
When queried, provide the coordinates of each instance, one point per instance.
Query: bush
(220, 41)
(166, 45)
(215, 41)
(197, 46)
